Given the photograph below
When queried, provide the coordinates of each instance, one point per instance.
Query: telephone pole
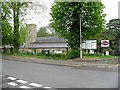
(80, 38)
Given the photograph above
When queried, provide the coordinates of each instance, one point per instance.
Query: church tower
(31, 34)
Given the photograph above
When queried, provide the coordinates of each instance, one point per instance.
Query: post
(80, 39)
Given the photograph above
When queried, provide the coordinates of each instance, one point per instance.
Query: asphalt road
(61, 76)
(0, 72)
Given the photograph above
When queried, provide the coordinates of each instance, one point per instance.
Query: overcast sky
(111, 9)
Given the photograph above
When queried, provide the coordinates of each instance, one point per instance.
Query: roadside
(101, 63)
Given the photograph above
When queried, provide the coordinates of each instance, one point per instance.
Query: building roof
(51, 39)
(49, 42)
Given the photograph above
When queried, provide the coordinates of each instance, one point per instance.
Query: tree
(12, 11)
(18, 8)
(113, 32)
(46, 31)
(53, 32)
(7, 31)
(65, 20)
(42, 32)
(23, 33)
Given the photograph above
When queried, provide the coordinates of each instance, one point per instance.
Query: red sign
(104, 43)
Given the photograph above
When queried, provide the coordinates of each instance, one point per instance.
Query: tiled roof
(49, 42)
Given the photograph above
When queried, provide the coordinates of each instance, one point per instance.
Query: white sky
(111, 9)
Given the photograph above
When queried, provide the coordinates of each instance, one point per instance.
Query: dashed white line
(22, 81)
(24, 87)
(47, 87)
(12, 84)
(35, 84)
(11, 78)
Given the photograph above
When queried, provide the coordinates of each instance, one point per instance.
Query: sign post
(105, 43)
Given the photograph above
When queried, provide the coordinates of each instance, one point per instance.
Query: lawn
(100, 57)
(54, 57)
(61, 56)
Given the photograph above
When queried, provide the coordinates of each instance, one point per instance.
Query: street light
(80, 39)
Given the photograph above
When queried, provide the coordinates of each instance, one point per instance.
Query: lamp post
(80, 38)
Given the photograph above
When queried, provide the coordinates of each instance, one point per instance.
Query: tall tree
(18, 8)
(65, 20)
(113, 33)
(7, 31)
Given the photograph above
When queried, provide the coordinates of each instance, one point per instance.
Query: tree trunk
(16, 27)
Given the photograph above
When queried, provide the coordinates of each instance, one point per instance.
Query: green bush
(39, 54)
(29, 53)
(73, 54)
(51, 55)
(59, 55)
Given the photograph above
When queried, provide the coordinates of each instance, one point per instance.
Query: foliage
(73, 54)
(7, 31)
(53, 32)
(42, 32)
(18, 9)
(65, 20)
(12, 11)
(12, 21)
(23, 32)
(40, 55)
(113, 32)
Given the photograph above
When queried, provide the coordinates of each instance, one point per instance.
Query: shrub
(59, 55)
(29, 53)
(72, 54)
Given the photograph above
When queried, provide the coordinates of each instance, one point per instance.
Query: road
(0, 72)
(61, 76)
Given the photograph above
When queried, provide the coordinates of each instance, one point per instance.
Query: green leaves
(65, 20)
(113, 32)
(6, 27)
(42, 32)
(12, 11)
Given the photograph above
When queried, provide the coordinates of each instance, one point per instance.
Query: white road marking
(11, 78)
(24, 87)
(12, 84)
(47, 87)
(22, 81)
(35, 84)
